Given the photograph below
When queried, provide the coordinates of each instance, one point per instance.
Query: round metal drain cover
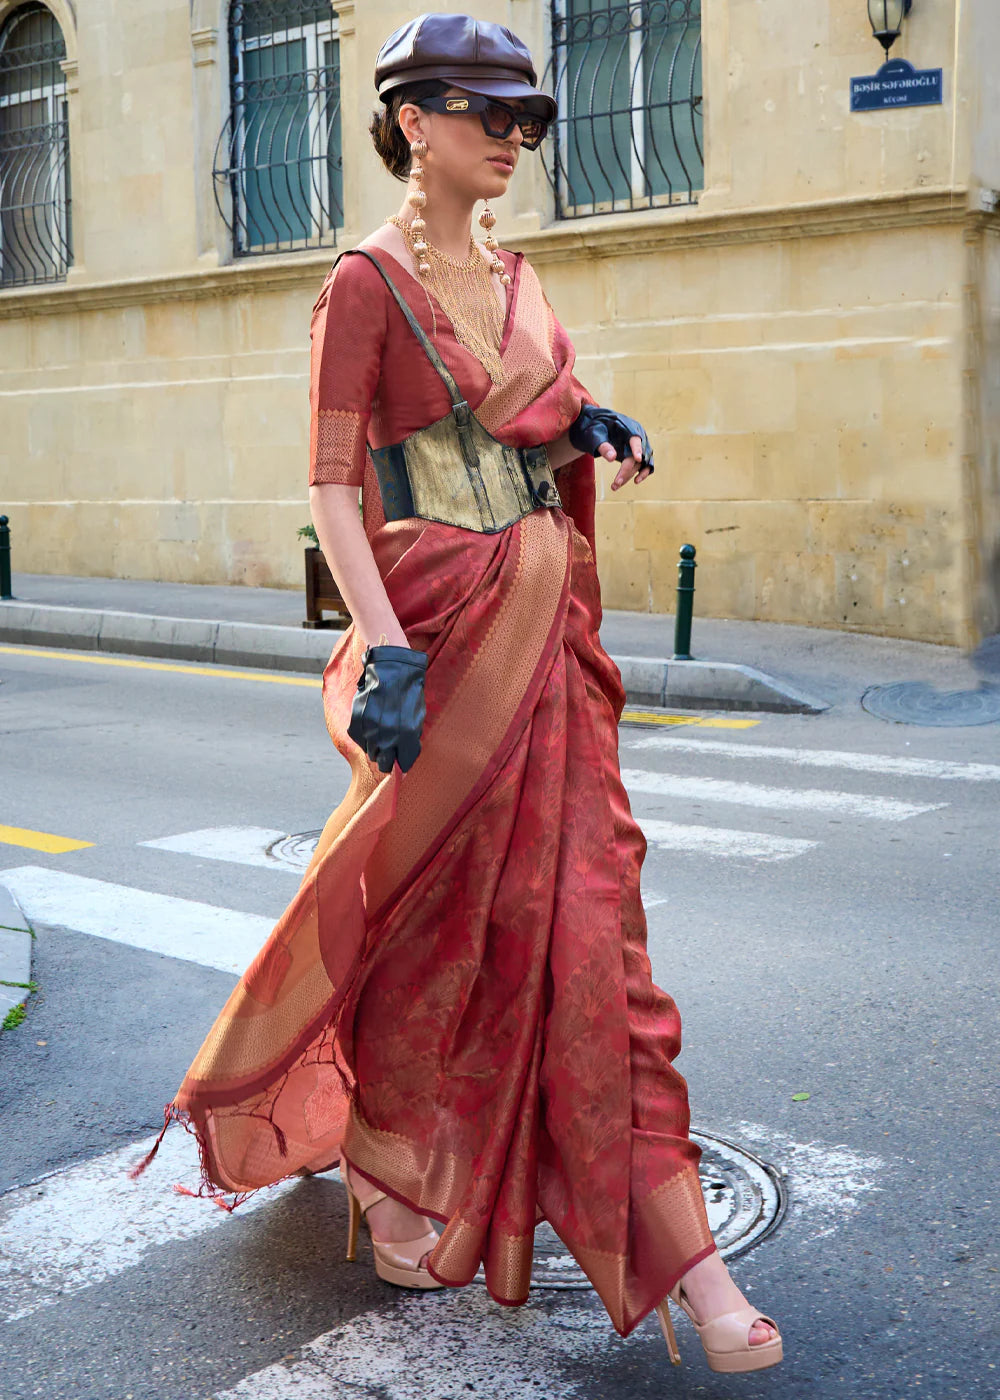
(915, 702)
(294, 851)
(744, 1198)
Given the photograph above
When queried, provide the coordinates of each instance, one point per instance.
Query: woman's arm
(347, 551)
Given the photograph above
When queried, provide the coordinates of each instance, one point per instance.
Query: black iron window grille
(627, 77)
(35, 232)
(278, 169)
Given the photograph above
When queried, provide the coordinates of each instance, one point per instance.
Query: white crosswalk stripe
(777, 799)
(411, 1351)
(719, 841)
(90, 1222)
(820, 758)
(243, 845)
(225, 939)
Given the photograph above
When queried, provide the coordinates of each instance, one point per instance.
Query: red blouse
(371, 382)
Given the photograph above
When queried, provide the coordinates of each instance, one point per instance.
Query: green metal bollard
(5, 592)
(685, 604)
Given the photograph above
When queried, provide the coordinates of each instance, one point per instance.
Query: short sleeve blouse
(370, 380)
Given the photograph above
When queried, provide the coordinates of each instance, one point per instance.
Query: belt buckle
(543, 488)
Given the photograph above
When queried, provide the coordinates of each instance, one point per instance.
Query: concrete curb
(15, 952)
(717, 685)
(174, 638)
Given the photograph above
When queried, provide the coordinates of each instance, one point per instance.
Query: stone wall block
(838, 392)
(674, 397)
(754, 392)
(794, 584)
(797, 466)
(687, 283)
(710, 466)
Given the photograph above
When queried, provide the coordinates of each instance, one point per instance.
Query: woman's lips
(502, 162)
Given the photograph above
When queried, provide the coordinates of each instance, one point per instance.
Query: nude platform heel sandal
(396, 1261)
(726, 1338)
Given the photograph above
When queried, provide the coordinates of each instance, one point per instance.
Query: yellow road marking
(727, 723)
(40, 840)
(658, 717)
(265, 676)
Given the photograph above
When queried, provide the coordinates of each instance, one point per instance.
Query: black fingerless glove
(595, 426)
(387, 715)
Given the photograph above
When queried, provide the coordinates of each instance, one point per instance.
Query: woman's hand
(604, 433)
(633, 465)
(387, 716)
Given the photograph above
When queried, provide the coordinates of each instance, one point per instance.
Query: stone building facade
(801, 303)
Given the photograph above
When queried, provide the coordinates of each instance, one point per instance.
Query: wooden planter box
(322, 594)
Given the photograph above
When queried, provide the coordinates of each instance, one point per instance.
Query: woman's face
(459, 152)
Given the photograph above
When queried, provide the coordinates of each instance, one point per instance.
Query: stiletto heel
(353, 1221)
(663, 1313)
(726, 1338)
(396, 1261)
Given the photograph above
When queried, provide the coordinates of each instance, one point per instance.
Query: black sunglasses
(497, 118)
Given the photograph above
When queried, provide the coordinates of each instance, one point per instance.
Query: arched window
(279, 155)
(35, 244)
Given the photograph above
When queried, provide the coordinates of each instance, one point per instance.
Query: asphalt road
(829, 928)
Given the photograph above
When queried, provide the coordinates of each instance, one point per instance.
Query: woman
(458, 1006)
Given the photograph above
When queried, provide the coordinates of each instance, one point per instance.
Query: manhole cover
(915, 702)
(743, 1195)
(295, 851)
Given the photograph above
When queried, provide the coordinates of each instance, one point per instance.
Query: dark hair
(389, 140)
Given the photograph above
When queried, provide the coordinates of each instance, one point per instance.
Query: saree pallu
(458, 1001)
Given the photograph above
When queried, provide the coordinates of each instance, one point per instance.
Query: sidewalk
(740, 665)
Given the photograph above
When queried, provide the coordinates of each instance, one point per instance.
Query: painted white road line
(718, 841)
(243, 845)
(778, 799)
(81, 1226)
(822, 758)
(161, 923)
(456, 1343)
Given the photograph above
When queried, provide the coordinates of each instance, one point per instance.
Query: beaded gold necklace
(464, 290)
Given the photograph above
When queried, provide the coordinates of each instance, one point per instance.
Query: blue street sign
(898, 84)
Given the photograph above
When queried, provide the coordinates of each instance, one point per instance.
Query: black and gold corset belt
(454, 471)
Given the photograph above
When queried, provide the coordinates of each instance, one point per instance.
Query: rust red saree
(458, 1000)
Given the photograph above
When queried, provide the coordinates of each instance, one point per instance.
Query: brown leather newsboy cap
(468, 53)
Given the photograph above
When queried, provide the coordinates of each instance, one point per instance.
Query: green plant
(308, 532)
(14, 1017)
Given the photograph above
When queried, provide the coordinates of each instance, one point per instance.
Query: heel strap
(364, 1200)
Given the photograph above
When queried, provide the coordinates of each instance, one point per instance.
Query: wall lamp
(887, 19)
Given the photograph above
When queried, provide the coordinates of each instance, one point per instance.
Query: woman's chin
(494, 186)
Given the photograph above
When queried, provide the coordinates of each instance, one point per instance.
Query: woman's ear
(410, 118)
